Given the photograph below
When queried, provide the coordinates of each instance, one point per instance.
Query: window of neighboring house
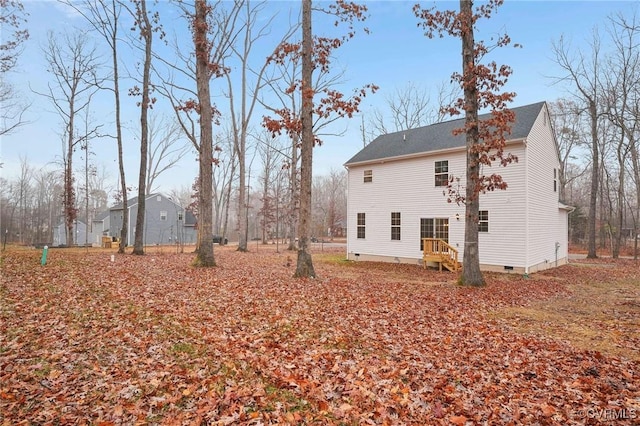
(434, 228)
(483, 221)
(180, 216)
(442, 173)
(159, 198)
(361, 225)
(395, 225)
(555, 180)
(368, 176)
(163, 215)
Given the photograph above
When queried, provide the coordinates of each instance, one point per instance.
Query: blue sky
(395, 53)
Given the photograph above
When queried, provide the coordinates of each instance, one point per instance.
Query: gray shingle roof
(438, 136)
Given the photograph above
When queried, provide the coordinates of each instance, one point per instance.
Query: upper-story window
(442, 173)
(368, 176)
(555, 180)
(163, 215)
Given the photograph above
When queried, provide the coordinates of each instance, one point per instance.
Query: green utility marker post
(44, 256)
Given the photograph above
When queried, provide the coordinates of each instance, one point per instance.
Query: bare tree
(146, 24)
(13, 19)
(272, 162)
(104, 17)
(568, 125)
(48, 186)
(621, 94)
(242, 104)
(224, 176)
(74, 65)
(410, 107)
(166, 148)
(583, 72)
(330, 204)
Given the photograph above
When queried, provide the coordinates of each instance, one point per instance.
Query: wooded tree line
(223, 36)
(598, 134)
(294, 89)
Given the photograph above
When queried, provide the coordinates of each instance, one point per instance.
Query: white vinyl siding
(544, 217)
(395, 226)
(408, 187)
(507, 215)
(523, 222)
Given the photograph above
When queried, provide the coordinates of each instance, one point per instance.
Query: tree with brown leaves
(314, 52)
(481, 84)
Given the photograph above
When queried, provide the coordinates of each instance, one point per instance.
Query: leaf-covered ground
(152, 340)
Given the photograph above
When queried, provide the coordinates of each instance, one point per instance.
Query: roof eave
(422, 154)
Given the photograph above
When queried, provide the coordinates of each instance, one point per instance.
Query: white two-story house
(397, 196)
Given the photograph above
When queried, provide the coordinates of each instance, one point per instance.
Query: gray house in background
(166, 222)
(79, 230)
(99, 228)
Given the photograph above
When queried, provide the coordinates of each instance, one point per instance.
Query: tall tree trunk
(595, 170)
(635, 160)
(304, 267)
(471, 274)
(116, 90)
(242, 202)
(205, 256)
(617, 231)
(138, 246)
(69, 191)
(293, 197)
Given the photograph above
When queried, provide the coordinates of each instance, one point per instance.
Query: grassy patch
(183, 348)
(600, 316)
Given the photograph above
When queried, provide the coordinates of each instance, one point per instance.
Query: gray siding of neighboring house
(60, 236)
(99, 228)
(164, 222)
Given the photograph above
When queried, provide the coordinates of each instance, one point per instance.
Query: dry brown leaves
(152, 340)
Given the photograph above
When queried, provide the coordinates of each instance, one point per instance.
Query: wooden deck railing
(436, 250)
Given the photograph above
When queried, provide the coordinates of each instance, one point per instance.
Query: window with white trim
(483, 221)
(361, 226)
(163, 215)
(395, 226)
(442, 173)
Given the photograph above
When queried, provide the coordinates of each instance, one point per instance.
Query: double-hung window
(361, 225)
(395, 226)
(442, 173)
(483, 221)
